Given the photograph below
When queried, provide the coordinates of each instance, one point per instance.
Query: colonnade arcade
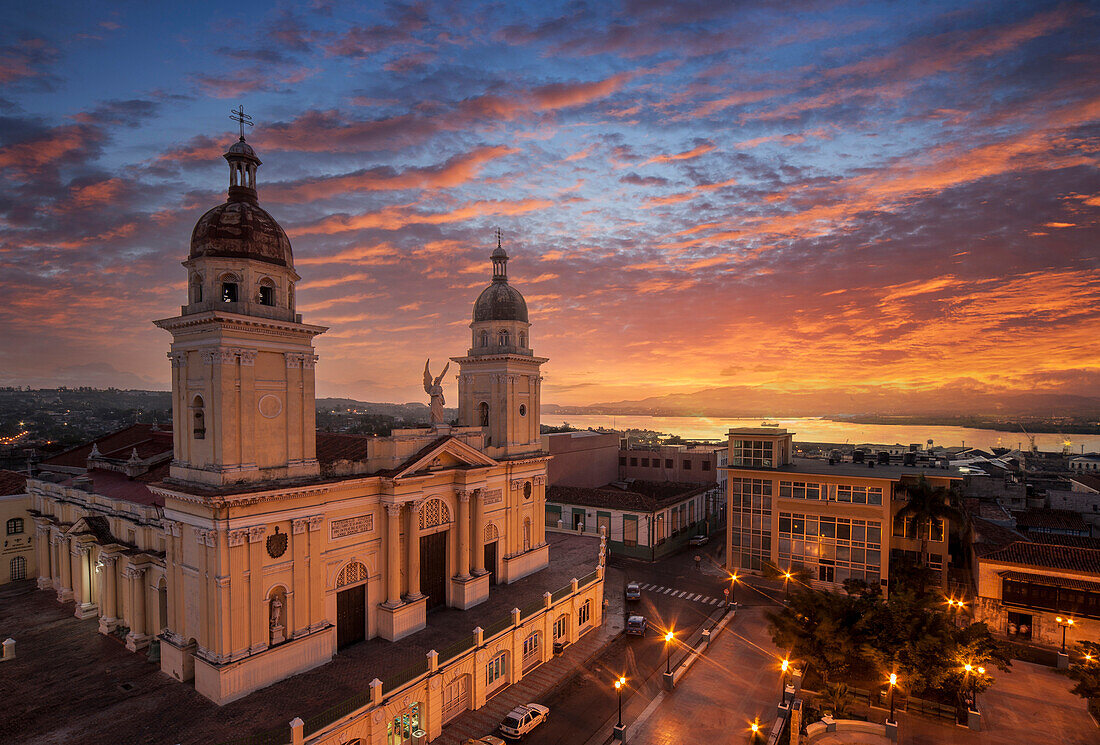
(125, 587)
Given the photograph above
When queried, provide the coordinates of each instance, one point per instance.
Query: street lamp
(966, 679)
(1065, 623)
(786, 585)
(619, 689)
(755, 737)
(974, 689)
(785, 666)
(893, 682)
(733, 588)
(668, 653)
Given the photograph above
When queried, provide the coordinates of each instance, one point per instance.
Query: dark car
(699, 540)
(633, 591)
(636, 625)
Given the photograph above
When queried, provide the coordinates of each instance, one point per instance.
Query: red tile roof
(12, 482)
(117, 445)
(1051, 520)
(1045, 579)
(332, 447)
(120, 486)
(642, 496)
(1048, 556)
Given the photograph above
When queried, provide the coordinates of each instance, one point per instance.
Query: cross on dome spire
(240, 117)
(499, 258)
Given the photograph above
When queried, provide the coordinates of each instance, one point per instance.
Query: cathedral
(254, 547)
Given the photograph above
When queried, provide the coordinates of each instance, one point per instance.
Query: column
(413, 545)
(258, 637)
(479, 533)
(463, 528)
(42, 556)
(108, 613)
(393, 555)
(65, 564)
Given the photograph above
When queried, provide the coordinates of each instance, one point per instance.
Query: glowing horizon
(818, 198)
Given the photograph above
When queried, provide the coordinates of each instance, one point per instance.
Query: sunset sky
(797, 196)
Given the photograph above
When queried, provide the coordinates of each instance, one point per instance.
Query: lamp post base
(619, 733)
(1063, 661)
(891, 731)
(669, 681)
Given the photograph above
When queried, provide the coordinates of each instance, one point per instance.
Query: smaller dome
(241, 230)
(499, 253)
(240, 147)
(500, 302)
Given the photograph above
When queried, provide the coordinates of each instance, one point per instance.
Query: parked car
(633, 591)
(486, 740)
(699, 540)
(523, 719)
(636, 625)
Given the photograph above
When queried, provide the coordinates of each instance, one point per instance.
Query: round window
(523, 409)
(527, 490)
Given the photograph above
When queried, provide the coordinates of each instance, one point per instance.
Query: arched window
(483, 413)
(484, 339)
(18, 568)
(523, 340)
(198, 415)
(267, 292)
(352, 574)
(230, 284)
(196, 288)
(531, 654)
(15, 526)
(502, 338)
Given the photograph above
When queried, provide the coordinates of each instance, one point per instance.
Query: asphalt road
(679, 598)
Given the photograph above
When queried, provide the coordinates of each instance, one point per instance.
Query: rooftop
(1051, 520)
(868, 470)
(12, 482)
(1047, 556)
(59, 653)
(639, 496)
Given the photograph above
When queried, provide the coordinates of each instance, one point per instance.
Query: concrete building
(585, 459)
(248, 546)
(834, 518)
(682, 464)
(1086, 463)
(17, 559)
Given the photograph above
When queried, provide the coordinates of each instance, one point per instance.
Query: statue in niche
(434, 389)
(278, 634)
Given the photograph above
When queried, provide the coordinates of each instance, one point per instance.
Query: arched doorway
(434, 522)
(456, 697)
(351, 605)
(490, 539)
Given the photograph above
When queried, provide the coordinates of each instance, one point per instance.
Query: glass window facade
(758, 453)
(832, 548)
(750, 513)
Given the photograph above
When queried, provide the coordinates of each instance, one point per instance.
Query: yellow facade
(17, 557)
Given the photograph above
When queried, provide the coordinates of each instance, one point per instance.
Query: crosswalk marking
(694, 597)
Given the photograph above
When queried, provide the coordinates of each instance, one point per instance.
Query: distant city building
(17, 558)
(250, 547)
(1085, 463)
(698, 464)
(583, 459)
(835, 518)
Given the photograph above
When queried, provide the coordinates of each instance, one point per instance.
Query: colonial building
(17, 558)
(251, 547)
(834, 518)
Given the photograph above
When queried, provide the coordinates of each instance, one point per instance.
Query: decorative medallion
(276, 544)
(527, 490)
(270, 406)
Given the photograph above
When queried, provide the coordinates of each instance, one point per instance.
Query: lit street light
(755, 736)
(1065, 623)
(893, 682)
(619, 689)
(786, 585)
(668, 653)
(733, 588)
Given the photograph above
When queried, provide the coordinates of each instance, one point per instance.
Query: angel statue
(434, 389)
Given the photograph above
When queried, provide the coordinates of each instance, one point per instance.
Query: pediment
(448, 454)
(96, 525)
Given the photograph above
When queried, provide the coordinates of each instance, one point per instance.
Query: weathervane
(242, 118)
(498, 237)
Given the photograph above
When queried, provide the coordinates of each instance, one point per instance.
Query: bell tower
(243, 401)
(499, 384)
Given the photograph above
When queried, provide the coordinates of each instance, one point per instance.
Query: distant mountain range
(737, 401)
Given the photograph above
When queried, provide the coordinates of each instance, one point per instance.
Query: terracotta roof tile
(120, 486)
(1047, 555)
(12, 482)
(332, 447)
(115, 445)
(642, 496)
(1050, 519)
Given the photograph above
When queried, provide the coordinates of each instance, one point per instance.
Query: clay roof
(120, 486)
(1051, 519)
(989, 536)
(332, 447)
(640, 496)
(1087, 479)
(1046, 579)
(1048, 556)
(12, 482)
(117, 445)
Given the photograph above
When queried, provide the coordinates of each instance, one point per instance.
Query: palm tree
(924, 504)
(836, 700)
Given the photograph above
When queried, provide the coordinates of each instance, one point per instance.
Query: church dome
(241, 230)
(500, 302)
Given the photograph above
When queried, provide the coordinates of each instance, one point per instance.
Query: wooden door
(433, 568)
(351, 616)
(491, 561)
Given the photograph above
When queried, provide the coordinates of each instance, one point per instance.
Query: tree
(1086, 670)
(812, 626)
(836, 700)
(925, 503)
